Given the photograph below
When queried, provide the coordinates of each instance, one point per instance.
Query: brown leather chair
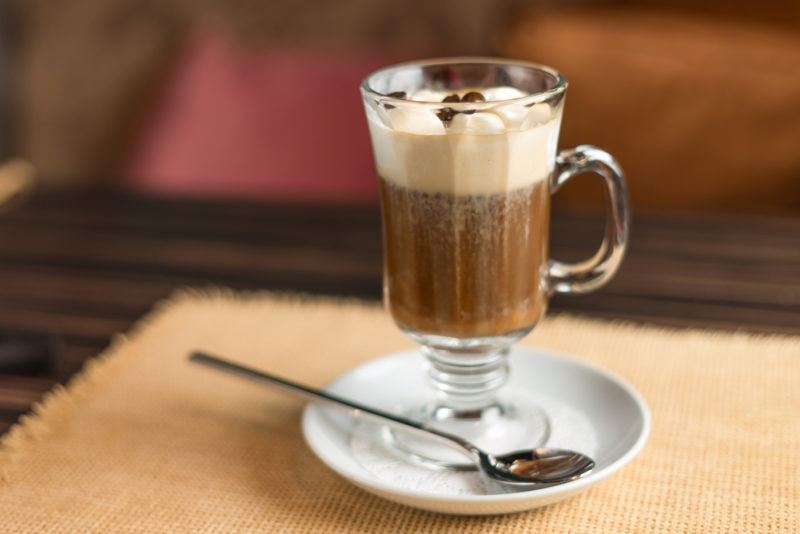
(703, 114)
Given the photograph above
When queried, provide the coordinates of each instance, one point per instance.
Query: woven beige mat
(143, 441)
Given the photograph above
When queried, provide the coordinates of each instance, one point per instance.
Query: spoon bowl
(541, 465)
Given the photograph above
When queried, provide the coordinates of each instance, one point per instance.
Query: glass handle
(593, 273)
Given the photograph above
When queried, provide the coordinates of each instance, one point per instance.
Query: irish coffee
(466, 152)
(465, 204)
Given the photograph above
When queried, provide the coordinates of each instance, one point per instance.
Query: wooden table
(84, 266)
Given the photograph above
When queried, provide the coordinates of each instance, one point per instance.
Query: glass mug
(465, 150)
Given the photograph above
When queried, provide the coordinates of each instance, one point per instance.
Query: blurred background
(700, 101)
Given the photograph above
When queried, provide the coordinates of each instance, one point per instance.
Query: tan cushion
(701, 114)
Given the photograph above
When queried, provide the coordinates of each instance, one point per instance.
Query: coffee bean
(451, 98)
(473, 96)
(397, 94)
(446, 114)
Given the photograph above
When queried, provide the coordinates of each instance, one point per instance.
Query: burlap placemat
(143, 441)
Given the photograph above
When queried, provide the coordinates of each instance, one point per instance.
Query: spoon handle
(353, 408)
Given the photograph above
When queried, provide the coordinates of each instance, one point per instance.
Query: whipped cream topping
(495, 150)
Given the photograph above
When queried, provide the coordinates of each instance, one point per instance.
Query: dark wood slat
(18, 393)
(70, 325)
(694, 313)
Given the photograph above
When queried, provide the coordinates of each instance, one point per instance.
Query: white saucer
(592, 410)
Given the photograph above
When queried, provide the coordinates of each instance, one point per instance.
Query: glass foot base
(499, 428)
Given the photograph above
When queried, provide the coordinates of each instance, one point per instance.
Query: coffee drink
(465, 266)
(465, 198)
(465, 149)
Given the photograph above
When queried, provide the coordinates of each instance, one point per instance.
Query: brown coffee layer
(465, 266)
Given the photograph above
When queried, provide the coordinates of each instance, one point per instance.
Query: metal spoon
(526, 468)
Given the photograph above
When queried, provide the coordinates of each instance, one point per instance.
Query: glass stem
(466, 380)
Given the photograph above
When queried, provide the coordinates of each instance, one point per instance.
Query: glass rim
(540, 96)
